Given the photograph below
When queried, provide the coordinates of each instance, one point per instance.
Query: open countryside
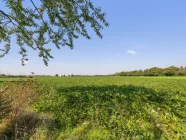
(102, 108)
(92, 70)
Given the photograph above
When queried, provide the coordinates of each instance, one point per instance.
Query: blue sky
(142, 34)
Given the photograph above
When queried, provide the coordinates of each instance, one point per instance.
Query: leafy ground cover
(103, 108)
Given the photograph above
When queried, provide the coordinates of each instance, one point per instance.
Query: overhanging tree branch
(48, 21)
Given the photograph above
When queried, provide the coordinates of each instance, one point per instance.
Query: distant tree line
(21, 76)
(56, 75)
(73, 75)
(155, 71)
(11, 76)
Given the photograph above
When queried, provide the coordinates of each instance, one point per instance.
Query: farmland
(108, 108)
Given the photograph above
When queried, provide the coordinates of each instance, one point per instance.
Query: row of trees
(21, 76)
(11, 76)
(72, 75)
(155, 71)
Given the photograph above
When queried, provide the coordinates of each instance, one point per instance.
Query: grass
(106, 108)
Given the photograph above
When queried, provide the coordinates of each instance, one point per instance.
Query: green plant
(120, 108)
(47, 21)
(106, 108)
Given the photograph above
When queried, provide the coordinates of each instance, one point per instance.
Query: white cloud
(131, 52)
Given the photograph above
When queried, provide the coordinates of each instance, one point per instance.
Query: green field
(116, 108)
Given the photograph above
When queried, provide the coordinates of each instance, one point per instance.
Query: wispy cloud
(131, 52)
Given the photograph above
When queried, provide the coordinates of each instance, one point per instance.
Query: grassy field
(103, 108)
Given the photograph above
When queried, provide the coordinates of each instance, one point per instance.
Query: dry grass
(15, 99)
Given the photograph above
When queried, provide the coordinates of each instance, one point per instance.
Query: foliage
(115, 107)
(88, 108)
(36, 24)
(155, 71)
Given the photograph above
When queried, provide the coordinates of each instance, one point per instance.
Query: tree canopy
(38, 24)
(155, 71)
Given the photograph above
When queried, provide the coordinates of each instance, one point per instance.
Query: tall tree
(38, 23)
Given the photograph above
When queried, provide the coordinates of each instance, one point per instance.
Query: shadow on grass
(126, 111)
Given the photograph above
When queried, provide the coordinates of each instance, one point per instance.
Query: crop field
(105, 108)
